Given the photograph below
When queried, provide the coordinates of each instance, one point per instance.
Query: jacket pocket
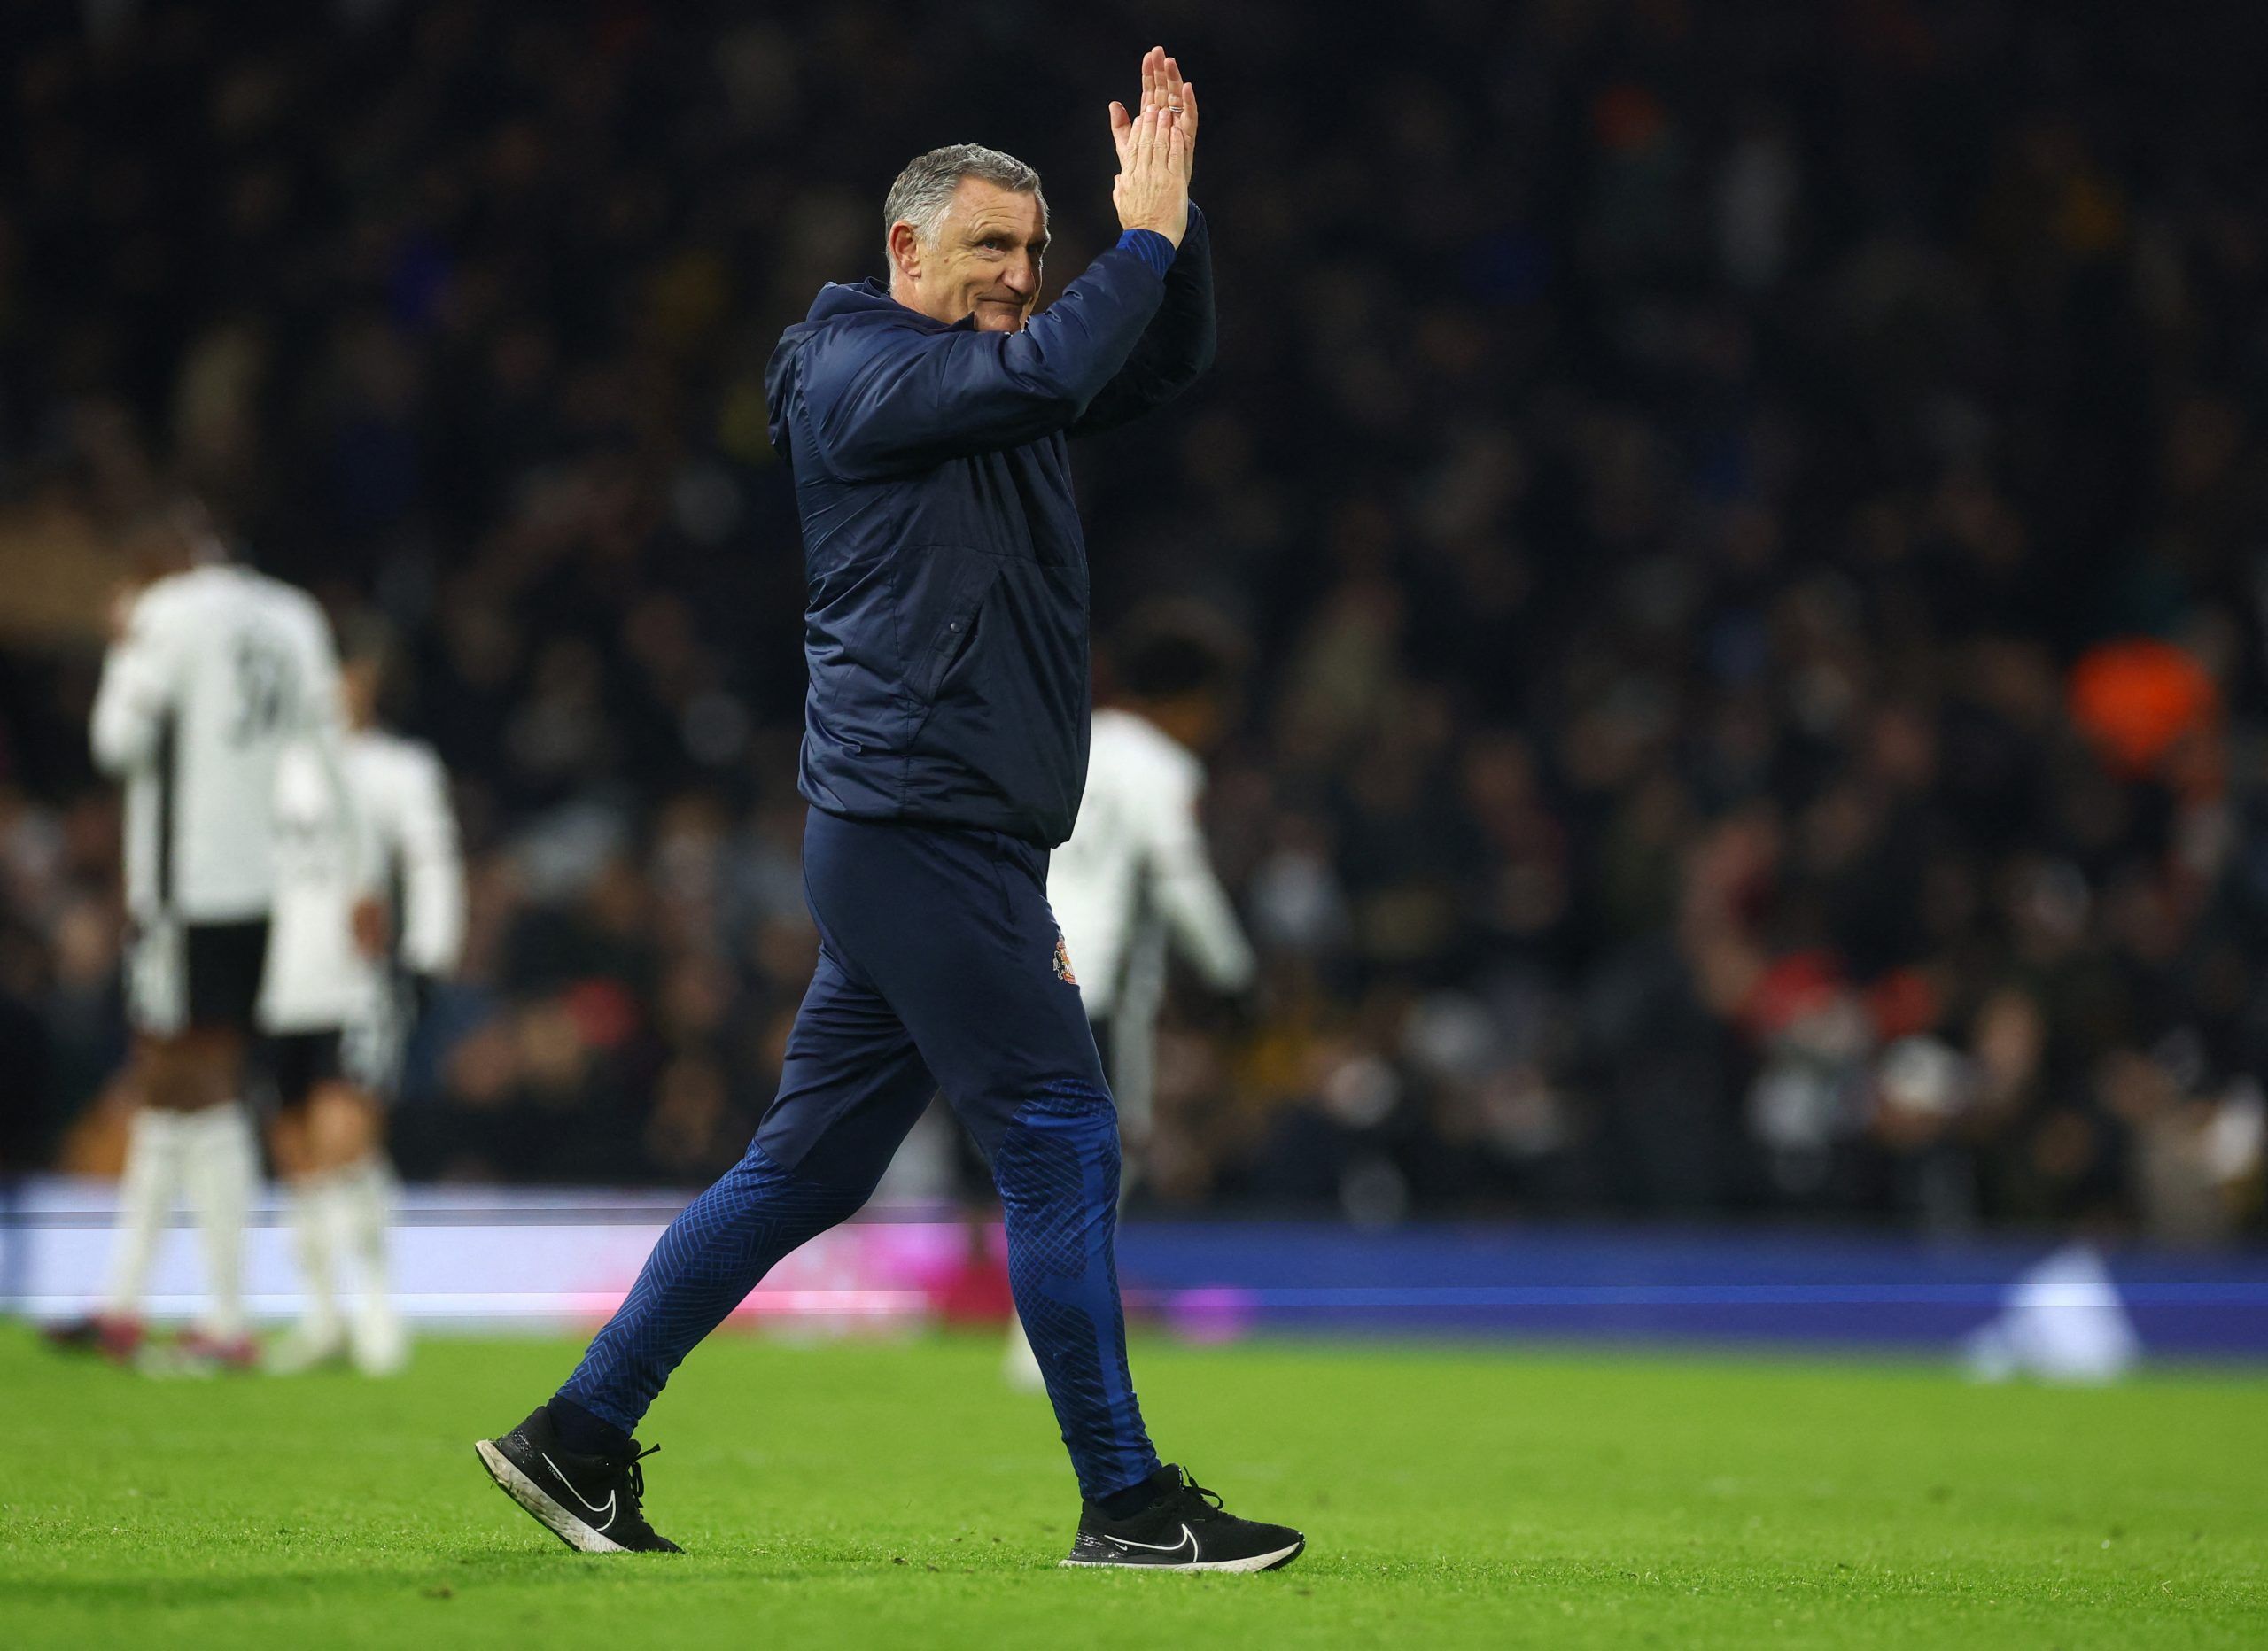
(953, 634)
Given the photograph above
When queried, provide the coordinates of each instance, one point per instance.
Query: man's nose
(1022, 277)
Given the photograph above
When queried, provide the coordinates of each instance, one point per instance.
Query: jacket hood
(859, 303)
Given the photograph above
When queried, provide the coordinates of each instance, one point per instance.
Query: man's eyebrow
(982, 231)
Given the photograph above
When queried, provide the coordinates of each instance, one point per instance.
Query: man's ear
(905, 252)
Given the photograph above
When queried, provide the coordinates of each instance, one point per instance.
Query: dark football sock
(584, 1434)
(1136, 1496)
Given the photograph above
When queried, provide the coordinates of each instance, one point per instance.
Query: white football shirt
(221, 669)
(400, 841)
(1135, 874)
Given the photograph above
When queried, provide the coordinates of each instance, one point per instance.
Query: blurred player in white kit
(213, 670)
(1135, 881)
(337, 1007)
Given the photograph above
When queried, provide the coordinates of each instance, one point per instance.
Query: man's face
(983, 260)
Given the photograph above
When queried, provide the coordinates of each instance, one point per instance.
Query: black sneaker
(1186, 1529)
(588, 1502)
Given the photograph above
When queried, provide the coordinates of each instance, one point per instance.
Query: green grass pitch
(898, 1494)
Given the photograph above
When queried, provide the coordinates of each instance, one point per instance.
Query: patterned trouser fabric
(717, 1250)
(1057, 1169)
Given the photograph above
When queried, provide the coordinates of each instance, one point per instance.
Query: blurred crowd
(1750, 520)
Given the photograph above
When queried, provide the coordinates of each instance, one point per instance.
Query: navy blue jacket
(946, 621)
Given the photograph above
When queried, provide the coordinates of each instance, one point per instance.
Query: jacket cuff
(1151, 247)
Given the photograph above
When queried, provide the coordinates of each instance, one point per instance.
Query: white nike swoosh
(1188, 1540)
(608, 1509)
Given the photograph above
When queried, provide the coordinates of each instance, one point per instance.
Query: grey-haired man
(944, 753)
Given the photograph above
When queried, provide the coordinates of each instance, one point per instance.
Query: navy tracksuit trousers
(939, 969)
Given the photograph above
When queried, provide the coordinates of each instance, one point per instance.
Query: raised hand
(1162, 89)
(1151, 190)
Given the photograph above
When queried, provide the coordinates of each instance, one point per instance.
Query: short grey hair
(927, 184)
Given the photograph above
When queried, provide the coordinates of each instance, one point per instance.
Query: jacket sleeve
(1177, 347)
(138, 689)
(888, 400)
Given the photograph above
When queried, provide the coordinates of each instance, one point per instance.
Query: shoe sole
(534, 1501)
(1257, 1561)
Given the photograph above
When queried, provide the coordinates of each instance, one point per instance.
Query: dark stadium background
(1750, 522)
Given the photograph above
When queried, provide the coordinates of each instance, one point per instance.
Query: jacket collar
(870, 298)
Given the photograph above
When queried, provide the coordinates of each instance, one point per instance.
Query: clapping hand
(1162, 88)
(1156, 151)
